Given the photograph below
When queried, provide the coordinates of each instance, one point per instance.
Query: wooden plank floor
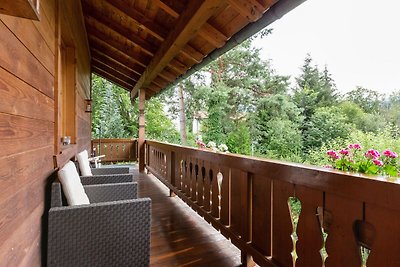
(179, 236)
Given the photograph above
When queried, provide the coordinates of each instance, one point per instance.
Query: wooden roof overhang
(150, 43)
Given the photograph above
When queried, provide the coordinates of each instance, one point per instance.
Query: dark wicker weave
(107, 179)
(108, 232)
(110, 170)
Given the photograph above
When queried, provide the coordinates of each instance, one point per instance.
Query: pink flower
(344, 152)
(378, 162)
(390, 154)
(200, 144)
(372, 154)
(357, 146)
(333, 154)
(328, 166)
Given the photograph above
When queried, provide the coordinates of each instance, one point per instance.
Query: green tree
(107, 121)
(363, 121)
(158, 126)
(218, 123)
(367, 99)
(314, 88)
(239, 139)
(327, 123)
(114, 116)
(276, 127)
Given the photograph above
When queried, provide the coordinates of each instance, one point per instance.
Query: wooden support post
(141, 139)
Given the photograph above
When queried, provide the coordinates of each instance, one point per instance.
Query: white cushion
(72, 186)
(84, 165)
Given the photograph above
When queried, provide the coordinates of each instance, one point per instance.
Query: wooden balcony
(180, 237)
(116, 150)
(246, 200)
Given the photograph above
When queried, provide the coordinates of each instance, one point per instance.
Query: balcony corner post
(141, 137)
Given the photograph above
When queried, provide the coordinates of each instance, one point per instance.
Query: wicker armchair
(106, 179)
(114, 230)
(110, 170)
(106, 175)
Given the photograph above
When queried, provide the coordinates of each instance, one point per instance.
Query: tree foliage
(114, 116)
(249, 107)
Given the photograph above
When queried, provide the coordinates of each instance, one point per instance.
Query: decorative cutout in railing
(211, 196)
(324, 220)
(247, 200)
(116, 150)
(365, 236)
(295, 210)
(220, 178)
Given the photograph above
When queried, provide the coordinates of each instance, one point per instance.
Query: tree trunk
(182, 117)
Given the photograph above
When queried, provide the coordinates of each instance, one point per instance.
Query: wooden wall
(28, 123)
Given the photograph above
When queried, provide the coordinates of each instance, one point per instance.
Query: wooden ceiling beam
(188, 24)
(115, 65)
(110, 78)
(208, 32)
(125, 60)
(160, 82)
(141, 59)
(167, 75)
(250, 9)
(156, 30)
(129, 47)
(122, 60)
(113, 72)
(107, 21)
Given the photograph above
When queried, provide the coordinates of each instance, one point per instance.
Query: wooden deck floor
(179, 236)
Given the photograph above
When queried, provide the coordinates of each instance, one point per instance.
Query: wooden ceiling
(149, 43)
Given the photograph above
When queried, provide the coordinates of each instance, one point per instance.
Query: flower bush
(200, 144)
(211, 145)
(370, 162)
(223, 148)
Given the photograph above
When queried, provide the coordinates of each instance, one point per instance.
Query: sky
(358, 40)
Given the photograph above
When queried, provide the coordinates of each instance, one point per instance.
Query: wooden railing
(116, 150)
(246, 199)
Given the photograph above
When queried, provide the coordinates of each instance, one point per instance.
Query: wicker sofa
(114, 230)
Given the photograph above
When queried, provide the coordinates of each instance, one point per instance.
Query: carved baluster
(324, 220)
(194, 182)
(191, 177)
(200, 185)
(207, 187)
(365, 236)
(295, 210)
(214, 193)
(220, 178)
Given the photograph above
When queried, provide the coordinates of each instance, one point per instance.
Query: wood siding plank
(29, 35)
(17, 59)
(19, 134)
(21, 99)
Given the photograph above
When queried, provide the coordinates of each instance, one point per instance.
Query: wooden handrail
(116, 150)
(246, 198)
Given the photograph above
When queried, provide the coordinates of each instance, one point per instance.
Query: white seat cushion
(84, 165)
(72, 186)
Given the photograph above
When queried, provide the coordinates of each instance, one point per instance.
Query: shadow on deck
(179, 236)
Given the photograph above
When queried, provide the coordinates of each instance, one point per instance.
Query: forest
(253, 110)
